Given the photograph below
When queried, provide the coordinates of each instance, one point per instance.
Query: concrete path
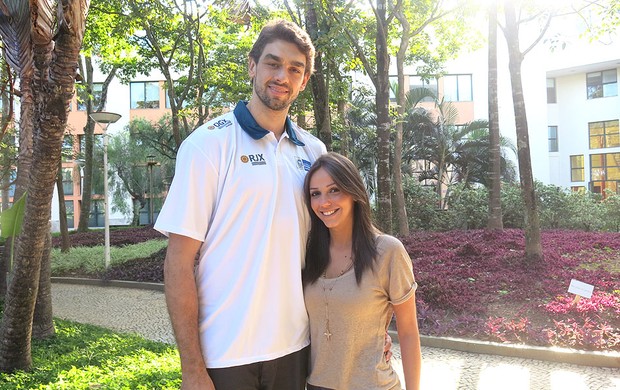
(144, 312)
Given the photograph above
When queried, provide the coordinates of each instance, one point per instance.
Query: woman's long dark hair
(347, 177)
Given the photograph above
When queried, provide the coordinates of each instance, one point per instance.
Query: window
(553, 138)
(416, 82)
(83, 96)
(12, 178)
(551, 93)
(70, 213)
(604, 172)
(67, 181)
(144, 94)
(96, 216)
(67, 148)
(602, 84)
(576, 168)
(393, 85)
(604, 134)
(457, 88)
(579, 189)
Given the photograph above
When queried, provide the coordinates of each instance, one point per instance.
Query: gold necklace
(326, 292)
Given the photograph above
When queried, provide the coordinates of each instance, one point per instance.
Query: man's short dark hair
(280, 29)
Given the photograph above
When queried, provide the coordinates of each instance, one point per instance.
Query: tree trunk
(136, 212)
(24, 161)
(42, 322)
(5, 255)
(56, 64)
(382, 99)
(344, 127)
(399, 195)
(533, 246)
(319, 81)
(62, 212)
(89, 137)
(495, 206)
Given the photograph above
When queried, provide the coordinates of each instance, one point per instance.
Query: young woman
(355, 278)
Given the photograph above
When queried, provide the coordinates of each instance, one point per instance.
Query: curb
(550, 354)
(553, 354)
(110, 283)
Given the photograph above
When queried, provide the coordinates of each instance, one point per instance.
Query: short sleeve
(396, 269)
(190, 201)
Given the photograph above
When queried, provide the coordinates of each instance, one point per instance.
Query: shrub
(422, 207)
(468, 207)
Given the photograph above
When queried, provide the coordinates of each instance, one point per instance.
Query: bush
(422, 204)
(468, 208)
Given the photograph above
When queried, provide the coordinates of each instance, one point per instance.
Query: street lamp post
(103, 119)
(150, 163)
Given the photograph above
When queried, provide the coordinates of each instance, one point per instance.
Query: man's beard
(273, 103)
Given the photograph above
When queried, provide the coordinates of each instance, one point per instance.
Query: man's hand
(197, 381)
(387, 347)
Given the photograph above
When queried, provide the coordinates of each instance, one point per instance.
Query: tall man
(236, 200)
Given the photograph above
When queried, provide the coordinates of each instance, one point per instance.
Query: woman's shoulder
(387, 241)
(388, 244)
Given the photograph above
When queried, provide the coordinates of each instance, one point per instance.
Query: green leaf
(11, 219)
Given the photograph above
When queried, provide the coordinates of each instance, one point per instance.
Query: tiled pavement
(144, 312)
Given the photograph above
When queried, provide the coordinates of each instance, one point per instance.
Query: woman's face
(332, 205)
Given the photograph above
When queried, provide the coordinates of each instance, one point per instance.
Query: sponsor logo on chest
(254, 159)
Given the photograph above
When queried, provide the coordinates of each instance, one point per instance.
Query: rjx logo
(255, 159)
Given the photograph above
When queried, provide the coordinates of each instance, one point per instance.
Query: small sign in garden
(580, 289)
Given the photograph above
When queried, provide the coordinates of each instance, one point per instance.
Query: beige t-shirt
(352, 358)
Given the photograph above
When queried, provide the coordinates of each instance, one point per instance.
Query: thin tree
(495, 205)
(533, 244)
(376, 65)
(406, 15)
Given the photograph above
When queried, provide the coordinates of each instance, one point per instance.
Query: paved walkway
(144, 312)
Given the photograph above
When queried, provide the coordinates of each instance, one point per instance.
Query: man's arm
(182, 300)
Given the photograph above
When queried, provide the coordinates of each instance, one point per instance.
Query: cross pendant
(327, 334)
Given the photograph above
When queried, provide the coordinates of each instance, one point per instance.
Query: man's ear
(305, 82)
(251, 68)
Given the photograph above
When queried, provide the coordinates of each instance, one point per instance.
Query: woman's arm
(409, 340)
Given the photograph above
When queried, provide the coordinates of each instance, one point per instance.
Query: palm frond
(15, 34)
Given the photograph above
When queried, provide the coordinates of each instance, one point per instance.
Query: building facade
(583, 113)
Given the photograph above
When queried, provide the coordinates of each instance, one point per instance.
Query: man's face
(279, 75)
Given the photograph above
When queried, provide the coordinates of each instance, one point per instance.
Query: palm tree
(362, 135)
(454, 153)
(45, 57)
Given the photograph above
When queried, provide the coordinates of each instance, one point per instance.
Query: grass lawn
(88, 357)
(472, 284)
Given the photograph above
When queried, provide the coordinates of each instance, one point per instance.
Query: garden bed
(478, 284)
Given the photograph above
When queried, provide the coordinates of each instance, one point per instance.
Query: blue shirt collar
(254, 130)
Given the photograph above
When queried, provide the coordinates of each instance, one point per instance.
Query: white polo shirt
(239, 191)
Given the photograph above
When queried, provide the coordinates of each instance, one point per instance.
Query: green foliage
(90, 259)
(468, 207)
(611, 211)
(12, 218)
(128, 151)
(512, 205)
(83, 356)
(553, 202)
(422, 205)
